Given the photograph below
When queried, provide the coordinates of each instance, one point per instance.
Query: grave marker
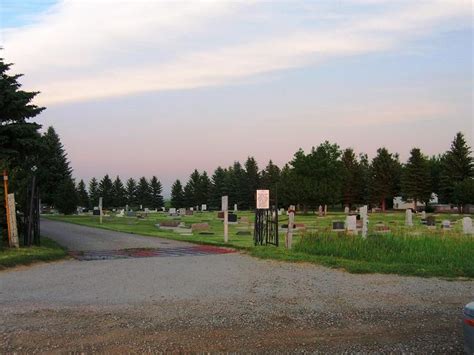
(14, 242)
(467, 227)
(203, 207)
(365, 220)
(100, 209)
(346, 210)
(409, 218)
(351, 224)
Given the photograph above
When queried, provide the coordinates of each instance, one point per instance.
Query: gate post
(291, 222)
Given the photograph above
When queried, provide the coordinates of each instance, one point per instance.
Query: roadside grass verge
(48, 251)
(415, 252)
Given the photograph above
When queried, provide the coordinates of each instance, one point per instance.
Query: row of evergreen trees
(145, 193)
(329, 175)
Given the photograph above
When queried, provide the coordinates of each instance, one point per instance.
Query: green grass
(406, 251)
(48, 251)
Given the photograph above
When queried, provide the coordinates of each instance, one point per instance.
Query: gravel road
(229, 302)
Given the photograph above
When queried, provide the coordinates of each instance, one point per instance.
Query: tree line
(333, 176)
(145, 193)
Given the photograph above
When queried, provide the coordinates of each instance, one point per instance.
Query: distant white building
(400, 204)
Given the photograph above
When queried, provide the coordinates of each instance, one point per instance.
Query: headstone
(163, 209)
(170, 224)
(189, 212)
(346, 210)
(199, 227)
(172, 211)
(220, 215)
(192, 209)
(325, 210)
(446, 224)
(96, 211)
(141, 207)
(431, 221)
(121, 213)
(409, 218)
(351, 224)
(320, 211)
(182, 211)
(244, 220)
(423, 215)
(467, 227)
(203, 207)
(338, 226)
(126, 208)
(232, 218)
(235, 207)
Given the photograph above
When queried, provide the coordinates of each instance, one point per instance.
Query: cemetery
(361, 242)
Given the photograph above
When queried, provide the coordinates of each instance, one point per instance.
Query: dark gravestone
(430, 221)
(220, 215)
(338, 225)
(96, 213)
(171, 223)
(232, 218)
(243, 233)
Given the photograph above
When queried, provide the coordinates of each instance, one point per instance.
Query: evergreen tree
(252, 183)
(363, 180)
(144, 193)
(350, 178)
(131, 192)
(66, 197)
(289, 190)
(106, 192)
(93, 193)
(177, 195)
(188, 195)
(236, 185)
(82, 195)
(436, 166)
(416, 181)
(463, 192)
(156, 189)
(19, 139)
(457, 166)
(384, 177)
(203, 191)
(54, 167)
(118, 193)
(218, 187)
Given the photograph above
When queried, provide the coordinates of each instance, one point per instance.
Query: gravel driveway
(229, 302)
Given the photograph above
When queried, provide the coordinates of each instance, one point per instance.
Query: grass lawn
(406, 251)
(48, 251)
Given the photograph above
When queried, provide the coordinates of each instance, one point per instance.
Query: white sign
(263, 199)
(225, 203)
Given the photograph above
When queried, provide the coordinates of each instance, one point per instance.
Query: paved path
(226, 302)
(76, 237)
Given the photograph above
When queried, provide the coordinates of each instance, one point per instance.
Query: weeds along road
(189, 301)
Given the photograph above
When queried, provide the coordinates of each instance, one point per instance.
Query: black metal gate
(266, 226)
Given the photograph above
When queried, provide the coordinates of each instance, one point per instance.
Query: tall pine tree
(457, 166)
(131, 192)
(416, 178)
(106, 191)
(82, 195)
(118, 193)
(156, 190)
(385, 177)
(93, 193)
(177, 195)
(144, 193)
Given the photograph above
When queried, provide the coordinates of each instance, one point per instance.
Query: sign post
(100, 209)
(291, 222)
(225, 208)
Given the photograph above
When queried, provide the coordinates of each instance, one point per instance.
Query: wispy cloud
(83, 50)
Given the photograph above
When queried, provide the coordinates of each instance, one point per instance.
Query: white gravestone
(182, 211)
(467, 225)
(121, 213)
(325, 210)
(172, 211)
(235, 208)
(320, 211)
(346, 210)
(203, 207)
(351, 224)
(423, 215)
(409, 218)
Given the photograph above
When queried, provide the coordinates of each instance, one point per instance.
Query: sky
(141, 88)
